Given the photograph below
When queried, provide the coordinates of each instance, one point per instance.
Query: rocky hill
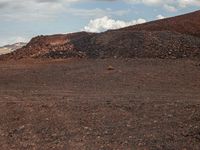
(175, 37)
(41, 46)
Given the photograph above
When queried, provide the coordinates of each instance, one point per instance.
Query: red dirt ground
(144, 104)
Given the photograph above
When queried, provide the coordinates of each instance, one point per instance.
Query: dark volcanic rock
(161, 44)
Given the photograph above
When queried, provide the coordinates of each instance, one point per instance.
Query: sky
(20, 20)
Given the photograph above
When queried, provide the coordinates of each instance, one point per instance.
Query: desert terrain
(135, 88)
(104, 104)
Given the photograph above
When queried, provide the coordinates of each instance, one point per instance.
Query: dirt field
(143, 104)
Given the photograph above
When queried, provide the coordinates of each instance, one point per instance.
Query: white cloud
(26, 10)
(19, 39)
(169, 5)
(22, 10)
(160, 17)
(34, 10)
(185, 3)
(106, 23)
(170, 8)
(12, 40)
(97, 12)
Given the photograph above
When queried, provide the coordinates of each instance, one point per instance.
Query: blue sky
(23, 19)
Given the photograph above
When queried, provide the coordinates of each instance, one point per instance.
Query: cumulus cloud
(105, 23)
(170, 8)
(31, 10)
(160, 17)
(169, 5)
(48, 9)
(22, 10)
(11, 40)
(97, 12)
(48, 4)
(185, 3)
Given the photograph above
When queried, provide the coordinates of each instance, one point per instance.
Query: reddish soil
(144, 104)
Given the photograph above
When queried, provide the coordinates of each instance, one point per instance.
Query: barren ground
(143, 104)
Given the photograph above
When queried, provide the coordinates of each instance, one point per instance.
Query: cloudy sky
(22, 19)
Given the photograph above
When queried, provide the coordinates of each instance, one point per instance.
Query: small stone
(22, 127)
(155, 121)
(110, 68)
(86, 128)
(128, 125)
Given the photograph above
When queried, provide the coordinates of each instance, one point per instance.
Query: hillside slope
(146, 44)
(41, 45)
(185, 24)
(176, 37)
